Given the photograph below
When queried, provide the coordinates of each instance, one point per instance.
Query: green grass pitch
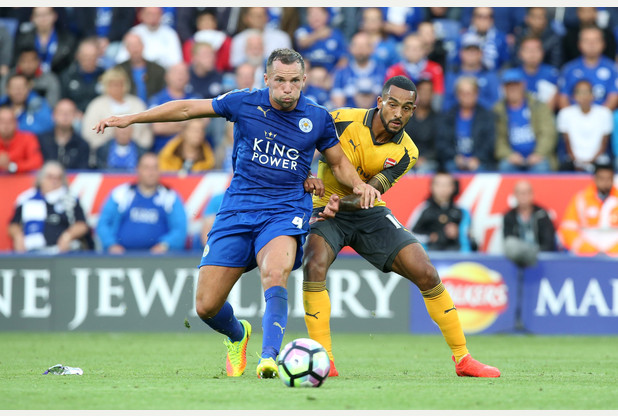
(187, 371)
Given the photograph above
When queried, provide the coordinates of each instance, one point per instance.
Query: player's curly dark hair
(285, 56)
(400, 81)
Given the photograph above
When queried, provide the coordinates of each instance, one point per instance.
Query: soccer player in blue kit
(264, 216)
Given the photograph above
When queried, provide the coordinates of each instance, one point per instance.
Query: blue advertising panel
(570, 295)
(483, 288)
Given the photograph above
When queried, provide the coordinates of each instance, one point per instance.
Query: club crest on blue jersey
(305, 125)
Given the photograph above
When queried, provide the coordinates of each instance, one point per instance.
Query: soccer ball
(303, 363)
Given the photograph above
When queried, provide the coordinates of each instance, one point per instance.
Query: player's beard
(385, 124)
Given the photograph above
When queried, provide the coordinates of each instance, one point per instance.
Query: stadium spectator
(593, 66)
(471, 65)
(19, 150)
(361, 68)
(422, 128)
(401, 21)
(205, 79)
(442, 225)
(447, 25)
(254, 51)
(416, 66)
(114, 100)
(55, 48)
(256, 19)
(434, 47)
(106, 25)
(161, 43)
(384, 47)
(525, 129)
(585, 128)
(220, 42)
(120, 153)
(466, 133)
(177, 87)
(144, 215)
(320, 44)
(365, 96)
(32, 111)
(146, 77)
(537, 25)
(44, 84)
(227, 20)
(587, 17)
(318, 86)
(188, 151)
(6, 50)
(247, 76)
(541, 79)
(590, 223)
(63, 143)
(508, 20)
(494, 46)
(81, 81)
(527, 228)
(614, 141)
(48, 219)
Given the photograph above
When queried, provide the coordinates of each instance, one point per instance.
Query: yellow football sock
(317, 314)
(443, 312)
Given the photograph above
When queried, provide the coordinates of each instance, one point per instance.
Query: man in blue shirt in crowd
(144, 215)
(361, 68)
(264, 216)
(471, 58)
(594, 67)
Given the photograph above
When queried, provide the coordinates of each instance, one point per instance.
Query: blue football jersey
(273, 150)
(603, 78)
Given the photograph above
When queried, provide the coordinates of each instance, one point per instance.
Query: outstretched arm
(178, 110)
(346, 174)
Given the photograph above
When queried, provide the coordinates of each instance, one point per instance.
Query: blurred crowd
(508, 89)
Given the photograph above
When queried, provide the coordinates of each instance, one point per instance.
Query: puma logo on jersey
(355, 145)
(259, 107)
(336, 116)
(451, 309)
(315, 315)
(280, 327)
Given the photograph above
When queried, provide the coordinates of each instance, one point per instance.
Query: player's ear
(265, 78)
(379, 102)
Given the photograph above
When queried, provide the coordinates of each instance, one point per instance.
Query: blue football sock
(274, 321)
(224, 322)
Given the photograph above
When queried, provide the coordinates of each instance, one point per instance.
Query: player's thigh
(213, 287)
(276, 259)
(323, 244)
(379, 236)
(412, 262)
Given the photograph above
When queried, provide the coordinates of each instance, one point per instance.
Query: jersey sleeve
(329, 136)
(228, 104)
(389, 176)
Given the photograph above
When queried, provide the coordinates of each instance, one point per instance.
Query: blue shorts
(236, 238)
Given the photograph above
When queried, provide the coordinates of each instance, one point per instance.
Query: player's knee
(314, 270)
(274, 277)
(427, 278)
(206, 309)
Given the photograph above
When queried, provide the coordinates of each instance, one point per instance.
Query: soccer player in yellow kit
(382, 152)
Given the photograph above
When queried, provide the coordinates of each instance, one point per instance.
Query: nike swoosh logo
(452, 309)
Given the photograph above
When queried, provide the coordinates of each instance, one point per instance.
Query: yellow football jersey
(387, 162)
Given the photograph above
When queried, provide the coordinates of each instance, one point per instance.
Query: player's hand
(331, 209)
(314, 186)
(368, 194)
(113, 121)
